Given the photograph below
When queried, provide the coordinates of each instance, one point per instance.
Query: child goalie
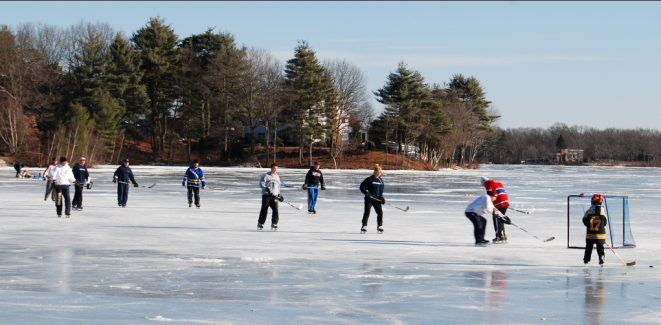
(595, 221)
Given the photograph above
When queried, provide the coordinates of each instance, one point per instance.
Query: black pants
(269, 201)
(499, 224)
(194, 191)
(479, 225)
(122, 193)
(589, 243)
(369, 203)
(18, 171)
(50, 190)
(63, 198)
(77, 196)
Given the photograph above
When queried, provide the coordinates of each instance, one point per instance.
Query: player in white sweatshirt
(62, 179)
(483, 205)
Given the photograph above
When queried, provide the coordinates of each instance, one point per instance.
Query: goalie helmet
(597, 199)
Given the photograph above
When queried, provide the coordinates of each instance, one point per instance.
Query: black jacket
(596, 226)
(374, 185)
(80, 173)
(124, 174)
(314, 177)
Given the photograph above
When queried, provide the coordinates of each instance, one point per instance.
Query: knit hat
(377, 168)
(195, 161)
(126, 160)
(483, 180)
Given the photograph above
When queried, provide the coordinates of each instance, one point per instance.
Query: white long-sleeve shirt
(481, 206)
(49, 171)
(63, 175)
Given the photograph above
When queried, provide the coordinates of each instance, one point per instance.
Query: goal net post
(618, 229)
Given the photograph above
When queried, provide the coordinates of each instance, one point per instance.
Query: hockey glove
(114, 180)
(203, 186)
(183, 183)
(305, 186)
(382, 199)
(268, 192)
(367, 194)
(506, 220)
(135, 185)
(89, 185)
(281, 198)
(323, 187)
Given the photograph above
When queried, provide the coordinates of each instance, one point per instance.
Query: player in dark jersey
(314, 181)
(595, 221)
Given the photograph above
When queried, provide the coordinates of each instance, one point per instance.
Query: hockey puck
(651, 265)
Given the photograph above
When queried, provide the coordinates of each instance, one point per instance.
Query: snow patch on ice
(381, 276)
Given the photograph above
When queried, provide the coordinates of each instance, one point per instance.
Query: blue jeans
(122, 193)
(313, 191)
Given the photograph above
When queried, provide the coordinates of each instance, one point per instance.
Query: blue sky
(581, 63)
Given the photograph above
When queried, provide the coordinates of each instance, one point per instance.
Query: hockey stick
(510, 223)
(618, 256)
(134, 184)
(291, 205)
(526, 212)
(218, 189)
(283, 183)
(398, 208)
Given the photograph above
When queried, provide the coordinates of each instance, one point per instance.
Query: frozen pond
(158, 260)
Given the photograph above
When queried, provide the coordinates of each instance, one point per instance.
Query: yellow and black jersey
(595, 224)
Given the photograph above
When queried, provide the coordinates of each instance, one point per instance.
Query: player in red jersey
(497, 190)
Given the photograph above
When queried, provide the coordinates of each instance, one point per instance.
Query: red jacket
(496, 189)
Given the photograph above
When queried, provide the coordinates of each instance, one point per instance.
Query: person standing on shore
(123, 177)
(193, 179)
(314, 181)
(270, 184)
(48, 177)
(82, 177)
(501, 202)
(373, 187)
(62, 179)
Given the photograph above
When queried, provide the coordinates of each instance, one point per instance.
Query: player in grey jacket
(270, 184)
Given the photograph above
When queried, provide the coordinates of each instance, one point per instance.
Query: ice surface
(159, 261)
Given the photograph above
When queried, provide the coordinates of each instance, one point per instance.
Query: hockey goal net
(618, 230)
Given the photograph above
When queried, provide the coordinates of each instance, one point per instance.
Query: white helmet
(483, 180)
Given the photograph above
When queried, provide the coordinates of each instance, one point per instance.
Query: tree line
(516, 145)
(93, 91)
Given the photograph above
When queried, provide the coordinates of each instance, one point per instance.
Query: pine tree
(313, 95)
(402, 94)
(123, 77)
(91, 63)
(156, 44)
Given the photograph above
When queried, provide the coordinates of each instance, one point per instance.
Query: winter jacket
(80, 173)
(314, 177)
(596, 225)
(497, 189)
(62, 175)
(18, 166)
(481, 206)
(124, 174)
(374, 185)
(194, 176)
(271, 183)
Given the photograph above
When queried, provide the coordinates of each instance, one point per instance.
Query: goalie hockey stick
(398, 208)
(526, 212)
(618, 256)
(510, 223)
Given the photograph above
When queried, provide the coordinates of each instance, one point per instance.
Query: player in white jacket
(483, 205)
(62, 179)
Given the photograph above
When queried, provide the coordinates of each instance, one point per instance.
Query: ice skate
(197, 205)
(274, 227)
(499, 240)
(68, 215)
(123, 205)
(59, 216)
(260, 226)
(190, 205)
(379, 229)
(363, 229)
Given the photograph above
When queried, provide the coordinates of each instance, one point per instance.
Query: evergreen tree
(91, 63)
(107, 118)
(156, 44)
(123, 77)
(561, 143)
(313, 95)
(471, 91)
(403, 94)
